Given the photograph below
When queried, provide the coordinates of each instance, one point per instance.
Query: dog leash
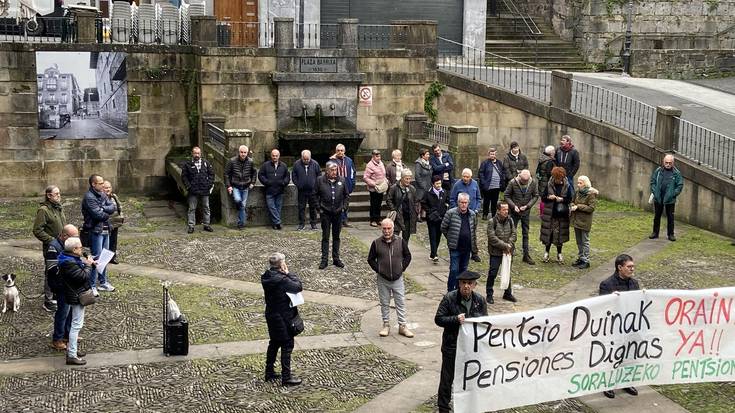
(27, 297)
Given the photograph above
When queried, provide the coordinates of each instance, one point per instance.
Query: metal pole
(628, 40)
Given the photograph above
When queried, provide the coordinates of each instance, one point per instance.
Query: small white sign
(365, 94)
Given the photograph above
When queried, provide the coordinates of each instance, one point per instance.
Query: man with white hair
(545, 164)
(666, 185)
(459, 226)
(470, 187)
(239, 180)
(521, 194)
(389, 257)
(345, 169)
(402, 199)
(304, 174)
(394, 168)
(331, 195)
(274, 176)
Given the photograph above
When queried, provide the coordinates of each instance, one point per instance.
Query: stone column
(463, 147)
(666, 135)
(347, 34)
(418, 35)
(414, 125)
(236, 137)
(204, 31)
(283, 32)
(86, 27)
(561, 90)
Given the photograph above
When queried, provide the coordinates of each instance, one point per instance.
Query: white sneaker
(559, 259)
(546, 257)
(107, 287)
(94, 292)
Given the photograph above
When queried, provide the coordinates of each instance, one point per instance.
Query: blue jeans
(62, 321)
(274, 203)
(458, 263)
(240, 196)
(97, 242)
(77, 321)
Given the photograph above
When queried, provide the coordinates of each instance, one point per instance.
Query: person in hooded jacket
(74, 272)
(583, 206)
(279, 315)
(514, 161)
(545, 164)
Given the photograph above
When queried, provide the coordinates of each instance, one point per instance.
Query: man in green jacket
(47, 226)
(666, 185)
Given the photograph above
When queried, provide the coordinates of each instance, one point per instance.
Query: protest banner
(613, 341)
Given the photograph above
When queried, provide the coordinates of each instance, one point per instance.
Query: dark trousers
(445, 382)
(270, 357)
(490, 197)
(435, 234)
(659, 210)
(113, 239)
(331, 221)
(305, 197)
(62, 319)
(376, 200)
(492, 274)
(524, 219)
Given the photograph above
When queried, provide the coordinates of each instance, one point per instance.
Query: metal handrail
(532, 31)
(706, 147)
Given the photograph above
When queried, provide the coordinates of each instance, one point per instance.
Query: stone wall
(29, 164)
(619, 164)
(682, 64)
(598, 31)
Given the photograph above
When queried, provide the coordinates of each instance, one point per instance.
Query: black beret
(468, 275)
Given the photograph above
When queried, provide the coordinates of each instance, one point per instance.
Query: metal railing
(244, 34)
(436, 133)
(216, 136)
(315, 36)
(381, 36)
(496, 70)
(706, 147)
(531, 29)
(42, 30)
(613, 108)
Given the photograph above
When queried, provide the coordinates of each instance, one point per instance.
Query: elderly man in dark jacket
(280, 316)
(459, 227)
(240, 178)
(492, 182)
(197, 175)
(332, 195)
(47, 226)
(666, 185)
(74, 272)
(389, 257)
(304, 174)
(455, 307)
(97, 209)
(621, 280)
(501, 240)
(521, 194)
(435, 203)
(62, 321)
(402, 199)
(274, 176)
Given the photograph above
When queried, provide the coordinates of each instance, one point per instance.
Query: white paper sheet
(296, 299)
(104, 259)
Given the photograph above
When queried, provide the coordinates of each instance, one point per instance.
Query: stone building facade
(58, 94)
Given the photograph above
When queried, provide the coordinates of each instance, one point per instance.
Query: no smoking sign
(365, 94)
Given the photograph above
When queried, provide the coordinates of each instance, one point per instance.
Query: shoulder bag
(382, 186)
(297, 325)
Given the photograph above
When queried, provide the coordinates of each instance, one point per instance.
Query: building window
(63, 98)
(40, 97)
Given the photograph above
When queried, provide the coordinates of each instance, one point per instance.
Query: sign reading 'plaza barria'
(318, 65)
(602, 343)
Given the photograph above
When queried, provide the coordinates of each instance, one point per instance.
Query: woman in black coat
(435, 203)
(280, 316)
(555, 219)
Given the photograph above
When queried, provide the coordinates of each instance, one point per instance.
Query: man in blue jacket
(96, 210)
(304, 174)
(492, 182)
(345, 169)
(666, 185)
(274, 176)
(442, 165)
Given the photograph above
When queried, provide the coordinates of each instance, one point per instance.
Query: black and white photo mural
(82, 95)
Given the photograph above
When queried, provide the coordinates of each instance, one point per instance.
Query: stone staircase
(507, 35)
(360, 201)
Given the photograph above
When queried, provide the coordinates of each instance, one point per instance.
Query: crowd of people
(504, 194)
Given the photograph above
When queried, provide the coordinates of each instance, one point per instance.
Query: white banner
(614, 341)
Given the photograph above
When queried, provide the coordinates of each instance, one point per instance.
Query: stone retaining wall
(618, 163)
(682, 64)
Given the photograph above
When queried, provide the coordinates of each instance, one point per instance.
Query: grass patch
(702, 397)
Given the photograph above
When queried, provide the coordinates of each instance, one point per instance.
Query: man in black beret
(454, 308)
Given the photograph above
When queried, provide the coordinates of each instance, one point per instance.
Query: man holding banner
(454, 308)
(621, 280)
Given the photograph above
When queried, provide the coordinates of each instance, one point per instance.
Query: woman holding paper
(501, 240)
(284, 323)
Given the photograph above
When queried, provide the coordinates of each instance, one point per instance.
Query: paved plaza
(344, 364)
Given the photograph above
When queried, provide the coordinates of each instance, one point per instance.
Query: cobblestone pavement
(244, 256)
(332, 383)
(133, 313)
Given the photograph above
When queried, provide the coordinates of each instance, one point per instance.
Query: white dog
(11, 298)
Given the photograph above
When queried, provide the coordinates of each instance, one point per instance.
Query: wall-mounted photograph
(82, 95)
